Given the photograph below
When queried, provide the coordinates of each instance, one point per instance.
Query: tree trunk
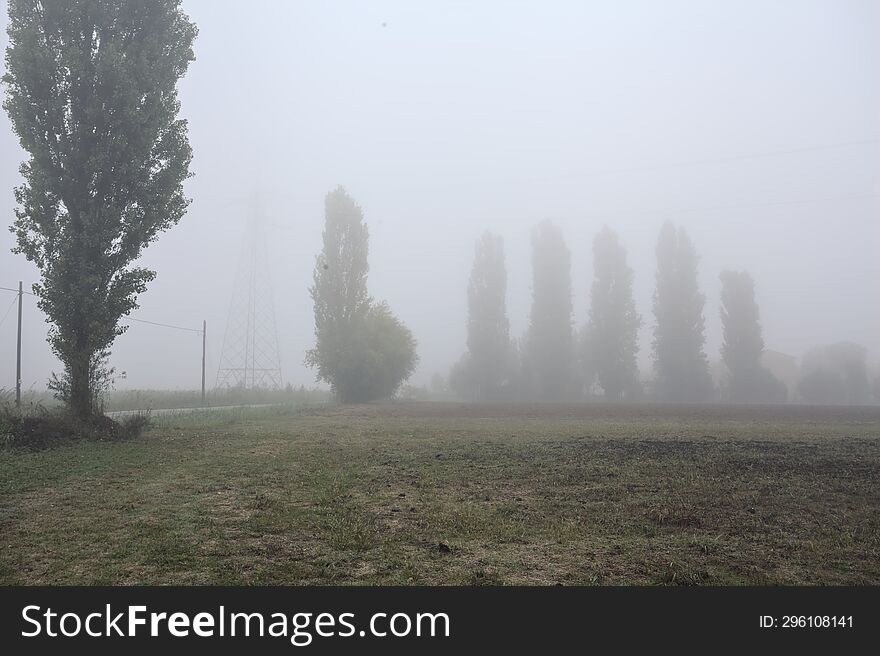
(80, 402)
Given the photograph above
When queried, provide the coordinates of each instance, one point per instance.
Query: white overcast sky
(444, 119)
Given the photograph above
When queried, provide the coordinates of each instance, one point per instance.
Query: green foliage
(380, 355)
(548, 352)
(91, 94)
(485, 368)
(361, 349)
(680, 362)
(614, 323)
(100, 381)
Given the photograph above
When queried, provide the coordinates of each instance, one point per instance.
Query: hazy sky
(444, 119)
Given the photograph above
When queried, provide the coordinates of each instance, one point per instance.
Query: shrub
(39, 429)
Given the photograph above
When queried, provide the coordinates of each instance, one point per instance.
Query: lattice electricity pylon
(250, 357)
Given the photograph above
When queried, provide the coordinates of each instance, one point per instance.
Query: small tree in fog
(835, 374)
(549, 354)
(91, 93)
(379, 356)
(614, 322)
(361, 349)
(484, 368)
(680, 363)
(743, 342)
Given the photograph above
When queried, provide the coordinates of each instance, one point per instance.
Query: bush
(368, 359)
(40, 429)
(376, 361)
(133, 426)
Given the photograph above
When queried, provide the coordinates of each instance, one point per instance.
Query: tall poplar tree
(91, 91)
(485, 367)
(743, 342)
(549, 349)
(614, 323)
(361, 349)
(680, 363)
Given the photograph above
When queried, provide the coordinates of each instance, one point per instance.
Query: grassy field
(145, 400)
(434, 493)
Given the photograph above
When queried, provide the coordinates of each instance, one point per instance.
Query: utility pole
(204, 339)
(18, 353)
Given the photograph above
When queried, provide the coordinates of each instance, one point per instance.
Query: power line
(152, 323)
(163, 325)
(734, 158)
(10, 289)
(8, 310)
(717, 208)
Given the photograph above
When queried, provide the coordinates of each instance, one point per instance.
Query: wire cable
(8, 310)
(735, 158)
(10, 289)
(163, 325)
(721, 208)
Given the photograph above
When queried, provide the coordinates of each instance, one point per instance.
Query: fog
(754, 125)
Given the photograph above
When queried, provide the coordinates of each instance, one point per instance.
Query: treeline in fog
(562, 359)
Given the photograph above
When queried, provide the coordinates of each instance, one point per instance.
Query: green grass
(140, 400)
(128, 400)
(519, 494)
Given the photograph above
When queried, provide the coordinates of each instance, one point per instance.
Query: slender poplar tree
(91, 91)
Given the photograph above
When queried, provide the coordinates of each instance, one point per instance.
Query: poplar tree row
(553, 361)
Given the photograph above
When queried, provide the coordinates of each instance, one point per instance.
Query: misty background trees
(611, 336)
(680, 363)
(91, 91)
(551, 363)
(835, 374)
(548, 355)
(485, 368)
(361, 349)
(749, 380)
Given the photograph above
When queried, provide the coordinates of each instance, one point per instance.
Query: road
(162, 412)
